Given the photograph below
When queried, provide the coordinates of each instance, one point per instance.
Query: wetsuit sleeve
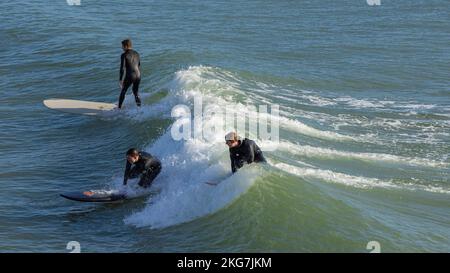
(251, 152)
(122, 60)
(233, 164)
(152, 164)
(127, 173)
(247, 152)
(259, 157)
(256, 154)
(152, 167)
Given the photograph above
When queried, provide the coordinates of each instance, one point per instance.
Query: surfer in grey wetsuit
(130, 62)
(141, 164)
(242, 151)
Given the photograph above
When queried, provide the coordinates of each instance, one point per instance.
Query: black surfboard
(95, 196)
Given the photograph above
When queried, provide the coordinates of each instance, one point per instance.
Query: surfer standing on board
(130, 62)
(242, 151)
(141, 164)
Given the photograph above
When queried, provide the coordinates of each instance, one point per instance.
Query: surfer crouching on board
(130, 62)
(141, 164)
(242, 151)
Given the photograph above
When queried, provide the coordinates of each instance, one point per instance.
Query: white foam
(360, 103)
(334, 177)
(416, 106)
(318, 101)
(354, 181)
(301, 128)
(309, 151)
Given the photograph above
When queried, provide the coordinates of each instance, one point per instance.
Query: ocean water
(364, 115)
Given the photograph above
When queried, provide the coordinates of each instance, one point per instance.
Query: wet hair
(126, 43)
(132, 151)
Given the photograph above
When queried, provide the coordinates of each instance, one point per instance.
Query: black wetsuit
(148, 167)
(246, 152)
(131, 61)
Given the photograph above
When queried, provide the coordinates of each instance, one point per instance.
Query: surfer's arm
(122, 57)
(233, 165)
(259, 156)
(127, 173)
(251, 153)
(255, 154)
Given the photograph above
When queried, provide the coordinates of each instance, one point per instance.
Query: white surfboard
(80, 107)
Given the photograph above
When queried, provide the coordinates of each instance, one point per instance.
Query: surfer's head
(126, 44)
(132, 155)
(232, 139)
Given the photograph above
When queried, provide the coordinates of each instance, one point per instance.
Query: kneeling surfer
(242, 151)
(143, 165)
